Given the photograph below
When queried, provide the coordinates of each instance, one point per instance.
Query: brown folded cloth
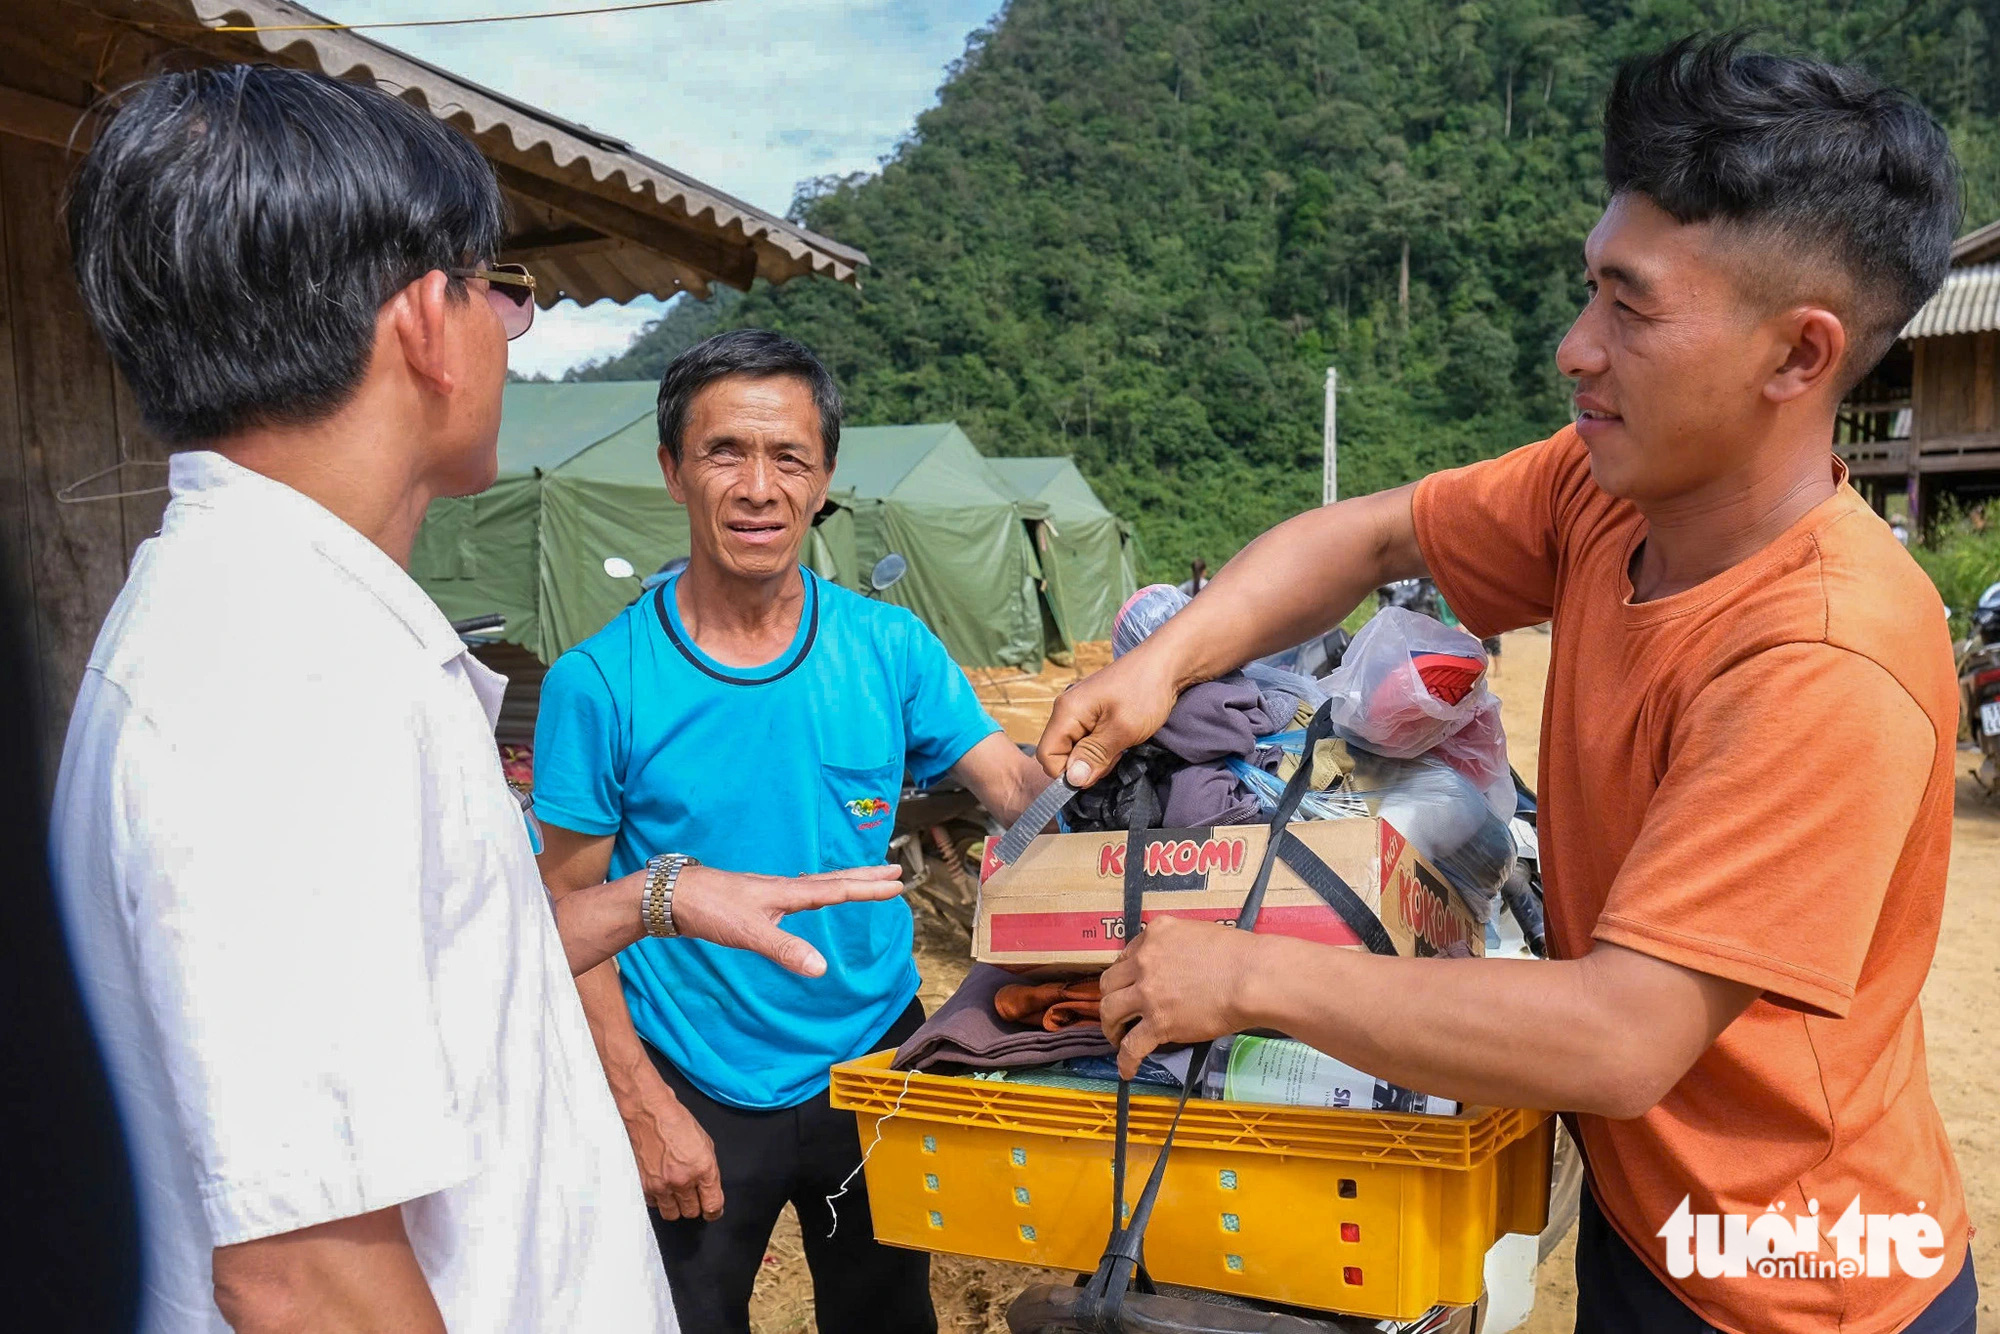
(1069, 1014)
(966, 1032)
(1053, 1005)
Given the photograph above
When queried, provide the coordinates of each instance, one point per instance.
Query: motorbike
(1979, 686)
(939, 835)
(1316, 657)
(1417, 595)
(1523, 891)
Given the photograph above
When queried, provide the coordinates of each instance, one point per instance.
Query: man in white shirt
(335, 1002)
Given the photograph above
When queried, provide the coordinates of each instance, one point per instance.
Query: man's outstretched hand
(1104, 715)
(742, 911)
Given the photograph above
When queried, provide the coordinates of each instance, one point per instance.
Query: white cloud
(567, 335)
(749, 96)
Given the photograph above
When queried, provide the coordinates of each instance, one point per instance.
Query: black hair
(757, 353)
(1817, 161)
(236, 230)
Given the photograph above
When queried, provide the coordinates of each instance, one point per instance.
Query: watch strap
(663, 874)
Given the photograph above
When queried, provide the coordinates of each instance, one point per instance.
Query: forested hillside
(1138, 231)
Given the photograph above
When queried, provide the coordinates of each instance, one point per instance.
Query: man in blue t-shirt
(750, 715)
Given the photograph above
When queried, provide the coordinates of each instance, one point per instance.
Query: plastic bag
(1269, 678)
(1445, 818)
(1408, 684)
(1144, 612)
(1431, 804)
(1478, 751)
(1267, 787)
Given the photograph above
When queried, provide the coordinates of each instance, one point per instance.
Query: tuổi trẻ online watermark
(1781, 1244)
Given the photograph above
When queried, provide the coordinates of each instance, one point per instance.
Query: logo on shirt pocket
(867, 811)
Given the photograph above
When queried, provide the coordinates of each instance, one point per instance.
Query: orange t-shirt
(1752, 778)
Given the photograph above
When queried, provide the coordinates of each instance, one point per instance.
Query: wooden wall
(1957, 385)
(523, 700)
(64, 415)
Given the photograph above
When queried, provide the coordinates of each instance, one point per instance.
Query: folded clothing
(1096, 1074)
(1053, 1005)
(1222, 717)
(1207, 794)
(1332, 762)
(967, 1032)
(1183, 770)
(1133, 785)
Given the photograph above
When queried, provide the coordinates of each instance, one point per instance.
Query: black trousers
(797, 1155)
(1617, 1294)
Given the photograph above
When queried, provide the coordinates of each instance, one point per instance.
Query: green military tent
(580, 484)
(1088, 565)
(926, 492)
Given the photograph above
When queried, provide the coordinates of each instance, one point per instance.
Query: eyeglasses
(510, 290)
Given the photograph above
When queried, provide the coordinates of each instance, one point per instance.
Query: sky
(749, 96)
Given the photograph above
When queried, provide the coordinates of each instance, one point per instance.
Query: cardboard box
(1062, 904)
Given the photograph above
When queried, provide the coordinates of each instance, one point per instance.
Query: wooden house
(1926, 422)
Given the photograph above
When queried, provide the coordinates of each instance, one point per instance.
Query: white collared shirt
(312, 936)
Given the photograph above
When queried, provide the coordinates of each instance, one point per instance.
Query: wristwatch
(662, 874)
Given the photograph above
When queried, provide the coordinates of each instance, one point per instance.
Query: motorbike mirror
(888, 571)
(618, 567)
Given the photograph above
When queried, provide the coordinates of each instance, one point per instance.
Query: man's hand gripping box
(1061, 905)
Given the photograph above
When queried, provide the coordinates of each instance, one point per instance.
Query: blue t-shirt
(784, 769)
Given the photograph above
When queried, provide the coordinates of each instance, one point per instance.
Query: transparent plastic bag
(1144, 612)
(1406, 683)
(1445, 818)
(1478, 751)
(1410, 685)
(1267, 787)
(1269, 678)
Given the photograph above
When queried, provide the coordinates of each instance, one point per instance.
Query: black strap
(1318, 730)
(1131, 923)
(1324, 881)
(1143, 814)
(1123, 1262)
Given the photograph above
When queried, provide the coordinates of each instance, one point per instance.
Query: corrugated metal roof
(1969, 302)
(1977, 246)
(554, 163)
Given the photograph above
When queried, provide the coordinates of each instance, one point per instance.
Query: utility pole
(1331, 488)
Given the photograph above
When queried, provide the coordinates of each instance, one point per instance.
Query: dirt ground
(1961, 1000)
(1019, 701)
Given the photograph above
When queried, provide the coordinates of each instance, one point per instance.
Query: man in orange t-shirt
(1747, 748)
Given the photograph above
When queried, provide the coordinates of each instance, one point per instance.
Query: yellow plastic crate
(1358, 1212)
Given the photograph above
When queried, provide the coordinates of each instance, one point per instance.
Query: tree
(1138, 231)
